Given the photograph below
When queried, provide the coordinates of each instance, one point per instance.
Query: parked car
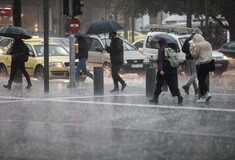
(137, 35)
(58, 61)
(228, 49)
(134, 61)
(139, 44)
(151, 52)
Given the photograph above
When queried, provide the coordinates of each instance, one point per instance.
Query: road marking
(64, 100)
(152, 106)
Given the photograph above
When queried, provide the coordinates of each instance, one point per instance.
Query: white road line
(63, 99)
(152, 106)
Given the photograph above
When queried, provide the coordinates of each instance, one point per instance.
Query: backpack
(172, 57)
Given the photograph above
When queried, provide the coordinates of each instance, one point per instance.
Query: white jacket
(201, 50)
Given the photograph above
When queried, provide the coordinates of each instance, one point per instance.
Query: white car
(151, 52)
(134, 61)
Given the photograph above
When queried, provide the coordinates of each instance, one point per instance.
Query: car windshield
(106, 41)
(54, 50)
(63, 42)
(127, 46)
(151, 44)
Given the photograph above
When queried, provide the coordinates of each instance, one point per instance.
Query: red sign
(74, 25)
(5, 12)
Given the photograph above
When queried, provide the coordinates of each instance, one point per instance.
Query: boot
(180, 99)
(116, 89)
(123, 86)
(186, 89)
(154, 100)
(8, 85)
(28, 86)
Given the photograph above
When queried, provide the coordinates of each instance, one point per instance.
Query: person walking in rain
(165, 72)
(201, 51)
(190, 63)
(116, 57)
(18, 52)
(82, 55)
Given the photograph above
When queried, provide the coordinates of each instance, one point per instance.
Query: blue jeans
(82, 66)
(193, 73)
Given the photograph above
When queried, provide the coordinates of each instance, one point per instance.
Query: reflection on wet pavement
(73, 124)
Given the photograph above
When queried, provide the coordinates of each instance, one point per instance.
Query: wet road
(73, 124)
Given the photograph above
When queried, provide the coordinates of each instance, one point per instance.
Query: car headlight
(225, 58)
(146, 60)
(56, 64)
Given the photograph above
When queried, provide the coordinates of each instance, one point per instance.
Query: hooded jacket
(201, 50)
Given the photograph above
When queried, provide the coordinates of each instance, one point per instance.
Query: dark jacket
(83, 48)
(185, 49)
(17, 51)
(161, 51)
(116, 51)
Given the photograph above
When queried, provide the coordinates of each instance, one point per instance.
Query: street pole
(46, 46)
(17, 23)
(71, 51)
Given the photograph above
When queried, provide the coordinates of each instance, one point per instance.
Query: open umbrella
(13, 32)
(168, 38)
(103, 26)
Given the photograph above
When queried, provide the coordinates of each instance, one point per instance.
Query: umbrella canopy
(103, 26)
(13, 32)
(168, 38)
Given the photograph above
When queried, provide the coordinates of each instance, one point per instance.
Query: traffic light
(77, 4)
(66, 7)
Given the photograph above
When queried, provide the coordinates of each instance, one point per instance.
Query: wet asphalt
(75, 124)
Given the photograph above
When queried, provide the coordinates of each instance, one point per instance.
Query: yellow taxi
(137, 35)
(139, 44)
(58, 61)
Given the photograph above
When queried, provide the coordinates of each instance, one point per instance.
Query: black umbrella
(103, 26)
(13, 32)
(168, 38)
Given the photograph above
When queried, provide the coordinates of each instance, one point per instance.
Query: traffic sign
(5, 12)
(74, 25)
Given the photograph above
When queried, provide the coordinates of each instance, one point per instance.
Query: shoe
(123, 86)
(208, 97)
(115, 90)
(186, 89)
(7, 86)
(180, 99)
(196, 91)
(154, 100)
(28, 86)
(201, 100)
